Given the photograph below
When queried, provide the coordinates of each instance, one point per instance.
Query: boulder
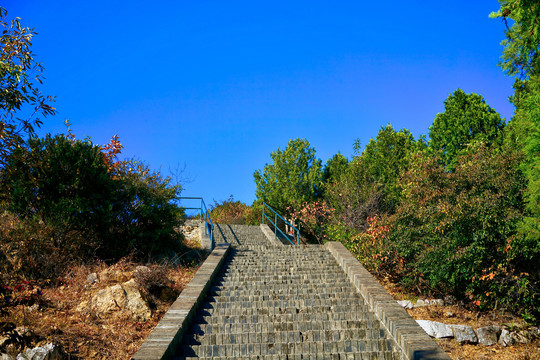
(111, 274)
(488, 335)
(407, 304)
(420, 303)
(46, 352)
(135, 302)
(464, 334)
(506, 338)
(435, 302)
(435, 329)
(108, 300)
(523, 336)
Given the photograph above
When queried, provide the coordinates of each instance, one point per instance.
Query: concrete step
(382, 355)
(342, 312)
(301, 325)
(282, 302)
(291, 348)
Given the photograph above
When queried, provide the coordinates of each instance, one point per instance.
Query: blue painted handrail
(205, 215)
(276, 228)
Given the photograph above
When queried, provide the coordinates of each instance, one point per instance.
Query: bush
(64, 200)
(146, 213)
(235, 212)
(455, 230)
(62, 192)
(314, 218)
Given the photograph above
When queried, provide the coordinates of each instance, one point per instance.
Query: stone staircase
(282, 302)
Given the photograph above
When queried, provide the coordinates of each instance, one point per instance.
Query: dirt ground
(461, 316)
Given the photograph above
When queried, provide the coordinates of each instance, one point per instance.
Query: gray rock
(506, 338)
(108, 300)
(135, 302)
(488, 335)
(435, 329)
(407, 304)
(436, 302)
(46, 352)
(523, 336)
(464, 334)
(92, 278)
(449, 314)
(429, 302)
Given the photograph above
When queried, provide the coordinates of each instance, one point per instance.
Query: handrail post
(275, 225)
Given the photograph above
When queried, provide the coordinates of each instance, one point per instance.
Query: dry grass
(88, 336)
(459, 315)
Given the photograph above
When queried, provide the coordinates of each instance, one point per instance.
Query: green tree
(92, 207)
(61, 181)
(369, 186)
(334, 167)
(387, 156)
(466, 117)
(21, 102)
(62, 197)
(521, 46)
(521, 58)
(146, 213)
(294, 176)
(457, 230)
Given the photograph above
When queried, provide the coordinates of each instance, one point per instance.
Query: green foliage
(70, 202)
(521, 47)
(62, 182)
(451, 228)
(386, 156)
(369, 184)
(20, 77)
(466, 117)
(146, 213)
(314, 218)
(235, 212)
(334, 168)
(355, 196)
(295, 176)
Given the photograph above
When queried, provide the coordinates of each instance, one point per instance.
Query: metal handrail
(205, 215)
(276, 215)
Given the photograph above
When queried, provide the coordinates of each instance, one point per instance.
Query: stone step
(273, 323)
(285, 337)
(295, 305)
(281, 302)
(277, 297)
(381, 355)
(300, 348)
(233, 315)
(289, 291)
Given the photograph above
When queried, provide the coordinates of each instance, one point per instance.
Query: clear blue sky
(218, 86)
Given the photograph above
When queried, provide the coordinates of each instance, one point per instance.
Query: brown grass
(455, 314)
(87, 336)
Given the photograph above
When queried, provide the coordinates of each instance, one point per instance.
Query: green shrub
(70, 201)
(64, 185)
(235, 212)
(453, 229)
(146, 214)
